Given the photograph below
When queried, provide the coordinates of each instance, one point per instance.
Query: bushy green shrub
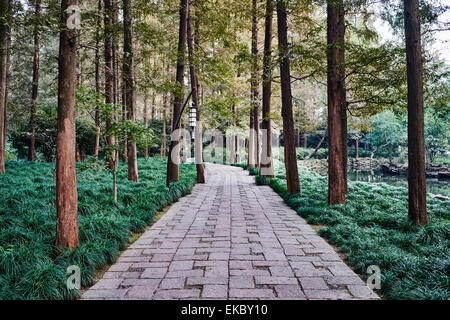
(302, 153)
(30, 266)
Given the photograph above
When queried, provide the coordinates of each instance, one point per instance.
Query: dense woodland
(98, 84)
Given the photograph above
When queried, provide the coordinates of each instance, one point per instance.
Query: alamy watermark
(74, 277)
(374, 280)
(74, 20)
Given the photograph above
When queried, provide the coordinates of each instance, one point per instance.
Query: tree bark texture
(66, 182)
(336, 178)
(416, 145)
(290, 157)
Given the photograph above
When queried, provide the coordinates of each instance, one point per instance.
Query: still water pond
(435, 186)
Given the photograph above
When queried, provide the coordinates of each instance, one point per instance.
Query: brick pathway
(230, 239)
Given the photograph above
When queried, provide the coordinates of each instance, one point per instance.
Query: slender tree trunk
(66, 182)
(290, 157)
(146, 123)
(153, 106)
(195, 100)
(305, 140)
(109, 72)
(5, 12)
(97, 77)
(343, 97)
(416, 145)
(267, 163)
(8, 74)
(357, 149)
(164, 128)
(336, 174)
(35, 85)
(128, 81)
(254, 117)
(174, 159)
(124, 117)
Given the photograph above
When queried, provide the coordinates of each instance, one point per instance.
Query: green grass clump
(30, 265)
(253, 171)
(239, 165)
(373, 229)
(262, 180)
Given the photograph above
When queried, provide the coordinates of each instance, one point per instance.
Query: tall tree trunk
(173, 164)
(97, 77)
(195, 100)
(357, 149)
(305, 140)
(5, 12)
(336, 175)
(416, 145)
(146, 123)
(256, 117)
(164, 129)
(35, 85)
(266, 161)
(128, 79)
(153, 106)
(343, 96)
(254, 112)
(290, 157)
(109, 72)
(66, 182)
(124, 117)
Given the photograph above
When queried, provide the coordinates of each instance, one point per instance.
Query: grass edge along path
(30, 266)
(373, 229)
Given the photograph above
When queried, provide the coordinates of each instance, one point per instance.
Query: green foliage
(46, 135)
(437, 135)
(373, 229)
(302, 153)
(10, 152)
(262, 180)
(253, 171)
(30, 267)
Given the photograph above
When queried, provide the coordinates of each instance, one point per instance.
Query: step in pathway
(230, 239)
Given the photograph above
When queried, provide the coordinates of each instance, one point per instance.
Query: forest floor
(30, 265)
(373, 229)
(230, 239)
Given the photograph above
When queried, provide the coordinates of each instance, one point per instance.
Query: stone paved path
(230, 239)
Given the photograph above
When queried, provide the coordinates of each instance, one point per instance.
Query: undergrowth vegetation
(373, 229)
(30, 265)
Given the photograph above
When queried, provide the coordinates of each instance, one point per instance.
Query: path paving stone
(230, 239)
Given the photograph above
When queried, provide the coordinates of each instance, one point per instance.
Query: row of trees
(117, 60)
(338, 104)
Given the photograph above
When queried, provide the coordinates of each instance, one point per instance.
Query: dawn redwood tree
(35, 84)
(66, 182)
(336, 179)
(173, 166)
(97, 76)
(416, 144)
(109, 74)
(343, 91)
(267, 92)
(290, 156)
(253, 143)
(5, 11)
(195, 99)
(128, 80)
(146, 122)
